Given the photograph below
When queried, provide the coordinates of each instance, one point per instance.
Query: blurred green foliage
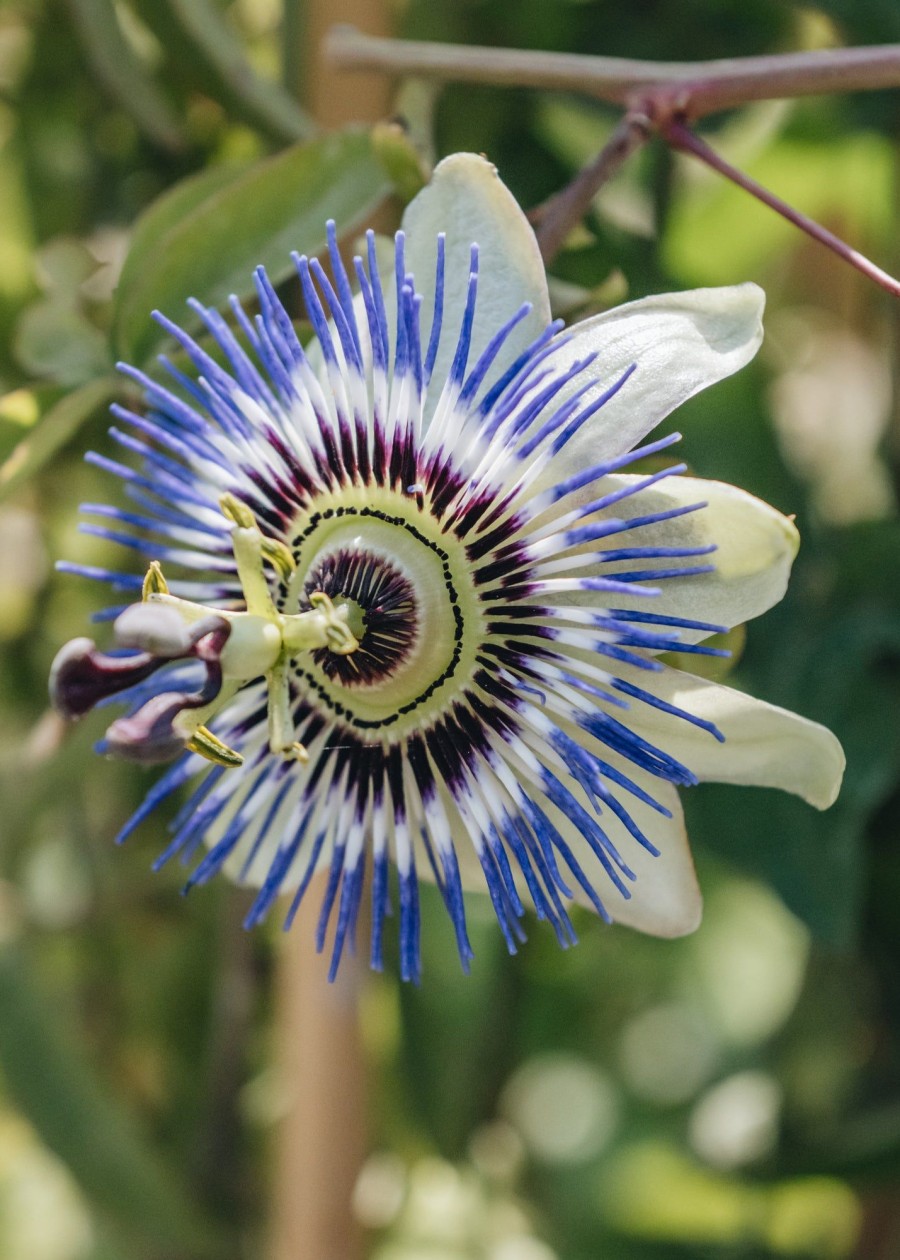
(736, 1094)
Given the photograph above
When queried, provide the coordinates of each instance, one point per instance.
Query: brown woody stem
(659, 97)
(554, 219)
(701, 87)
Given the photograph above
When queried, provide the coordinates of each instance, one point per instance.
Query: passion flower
(433, 586)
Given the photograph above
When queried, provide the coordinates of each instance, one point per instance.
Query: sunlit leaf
(208, 248)
(846, 180)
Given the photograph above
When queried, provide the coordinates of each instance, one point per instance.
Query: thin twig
(555, 218)
(660, 97)
(714, 85)
(683, 139)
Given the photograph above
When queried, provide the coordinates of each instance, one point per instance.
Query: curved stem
(683, 139)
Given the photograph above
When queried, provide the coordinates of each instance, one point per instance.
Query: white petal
(665, 897)
(764, 746)
(467, 200)
(755, 547)
(680, 342)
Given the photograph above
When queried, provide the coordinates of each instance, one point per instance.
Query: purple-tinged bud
(148, 736)
(81, 676)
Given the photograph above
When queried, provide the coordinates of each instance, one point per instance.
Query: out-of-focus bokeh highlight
(731, 1096)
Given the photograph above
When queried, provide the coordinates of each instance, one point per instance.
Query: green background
(734, 1094)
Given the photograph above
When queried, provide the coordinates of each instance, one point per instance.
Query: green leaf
(124, 75)
(47, 1075)
(152, 230)
(209, 248)
(58, 426)
(57, 342)
(259, 100)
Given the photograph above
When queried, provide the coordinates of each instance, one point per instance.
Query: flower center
(384, 556)
(383, 614)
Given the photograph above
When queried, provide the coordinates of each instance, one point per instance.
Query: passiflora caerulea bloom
(429, 587)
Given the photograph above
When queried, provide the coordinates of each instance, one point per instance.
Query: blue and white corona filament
(426, 587)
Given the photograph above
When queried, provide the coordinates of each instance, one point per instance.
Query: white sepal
(470, 204)
(765, 746)
(680, 342)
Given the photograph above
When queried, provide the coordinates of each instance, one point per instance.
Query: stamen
(154, 582)
(280, 556)
(208, 745)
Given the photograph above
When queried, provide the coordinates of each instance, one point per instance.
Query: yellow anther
(211, 747)
(237, 512)
(280, 556)
(297, 752)
(154, 582)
